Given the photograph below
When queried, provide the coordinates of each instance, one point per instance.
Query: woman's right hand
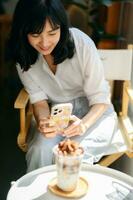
(47, 128)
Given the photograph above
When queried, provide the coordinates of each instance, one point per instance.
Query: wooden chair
(117, 66)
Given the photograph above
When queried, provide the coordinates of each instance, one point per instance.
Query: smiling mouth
(44, 49)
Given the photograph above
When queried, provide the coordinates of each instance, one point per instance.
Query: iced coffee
(68, 156)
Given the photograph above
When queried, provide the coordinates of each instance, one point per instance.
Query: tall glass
(68, 168)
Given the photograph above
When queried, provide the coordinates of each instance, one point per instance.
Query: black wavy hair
(30, 17)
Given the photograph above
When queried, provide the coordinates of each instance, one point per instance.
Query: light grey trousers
(95, 141)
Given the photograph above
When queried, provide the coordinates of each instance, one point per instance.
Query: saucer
(80, 190)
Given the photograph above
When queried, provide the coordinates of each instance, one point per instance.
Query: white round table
(103, 184)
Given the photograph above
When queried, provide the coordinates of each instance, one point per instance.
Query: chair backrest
(117, 63)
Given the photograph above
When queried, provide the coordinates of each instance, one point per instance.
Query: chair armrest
(22, 103)
(22, 99)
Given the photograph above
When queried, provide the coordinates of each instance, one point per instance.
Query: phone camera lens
(55, 113)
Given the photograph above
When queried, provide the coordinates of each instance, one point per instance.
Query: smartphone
(60, 115)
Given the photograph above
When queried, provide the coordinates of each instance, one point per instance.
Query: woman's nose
(44, 41)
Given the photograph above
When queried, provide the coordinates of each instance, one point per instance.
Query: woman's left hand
(74, 129)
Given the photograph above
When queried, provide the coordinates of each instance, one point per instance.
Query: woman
(58, 64)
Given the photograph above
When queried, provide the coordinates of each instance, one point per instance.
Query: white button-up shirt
(82, 75)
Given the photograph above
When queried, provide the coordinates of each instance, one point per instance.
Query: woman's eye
(52, 34)
(35, 35)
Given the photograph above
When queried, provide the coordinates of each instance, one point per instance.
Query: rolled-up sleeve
(96, 87)
(35, 92)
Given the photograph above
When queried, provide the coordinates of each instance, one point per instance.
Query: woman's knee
(40, 151)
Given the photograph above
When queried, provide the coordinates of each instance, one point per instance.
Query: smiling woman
(33, 24)
(46, 41)
(58, 64)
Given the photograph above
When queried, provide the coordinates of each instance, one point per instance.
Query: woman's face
(45, 41)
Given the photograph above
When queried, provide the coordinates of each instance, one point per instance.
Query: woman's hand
(75, 128)
(47, 128)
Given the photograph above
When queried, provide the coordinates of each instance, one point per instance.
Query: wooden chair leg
(108, 160)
